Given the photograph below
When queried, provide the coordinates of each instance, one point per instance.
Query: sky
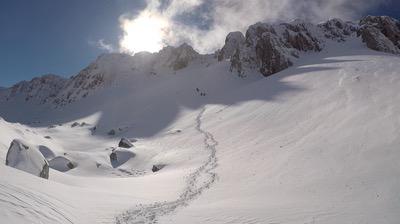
(63, 36)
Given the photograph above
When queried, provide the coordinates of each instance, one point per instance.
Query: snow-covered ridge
(266, 48)
(41, 89)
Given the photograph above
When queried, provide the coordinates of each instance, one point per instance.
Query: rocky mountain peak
(177, 57)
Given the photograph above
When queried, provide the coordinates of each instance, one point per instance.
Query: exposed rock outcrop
(338, 29)
(28, 158)
(233, 41)
(270, 48)
(176, 58)
(381, 33)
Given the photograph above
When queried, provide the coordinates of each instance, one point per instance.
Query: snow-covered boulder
(46, 152)
(120, 156)
(381, 33)
(125, 143)
(28, 158)
(61, 164)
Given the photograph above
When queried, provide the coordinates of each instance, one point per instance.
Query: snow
(315, 143)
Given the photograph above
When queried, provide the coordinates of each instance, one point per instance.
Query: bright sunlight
(145, 33)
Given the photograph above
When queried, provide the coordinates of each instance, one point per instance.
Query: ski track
(197, 182)
(34, 204)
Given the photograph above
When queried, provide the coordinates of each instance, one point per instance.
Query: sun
(144, 33)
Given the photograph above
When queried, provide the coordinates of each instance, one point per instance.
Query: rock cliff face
(270, 48)
(381, 33)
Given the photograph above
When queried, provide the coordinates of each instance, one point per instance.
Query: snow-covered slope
(314, 143)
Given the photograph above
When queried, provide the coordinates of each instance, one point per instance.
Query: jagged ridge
(267, 48)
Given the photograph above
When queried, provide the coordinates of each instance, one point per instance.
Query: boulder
(23, 156)
(75, 124)
(125, 143)
(157, 167)
(120, 156)
(61, 164)
(46, 152)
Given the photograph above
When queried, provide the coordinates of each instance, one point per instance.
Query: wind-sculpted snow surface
(196, 183)
(31, 204)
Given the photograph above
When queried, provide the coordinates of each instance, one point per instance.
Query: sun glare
(145, 33)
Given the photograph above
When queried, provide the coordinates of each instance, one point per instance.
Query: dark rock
(75, 124)
(47, 137)
(125, 143)
(157, 167)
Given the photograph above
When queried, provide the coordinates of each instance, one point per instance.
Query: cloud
(205, 23)
(101, 44)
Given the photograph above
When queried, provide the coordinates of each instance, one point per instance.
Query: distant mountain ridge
(267, 48)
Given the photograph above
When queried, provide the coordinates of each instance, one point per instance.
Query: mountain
(286, 123)
(265, 47)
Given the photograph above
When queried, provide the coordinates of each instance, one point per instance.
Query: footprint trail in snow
(197, 182)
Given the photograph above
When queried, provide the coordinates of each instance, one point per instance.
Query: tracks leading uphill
(198, 181)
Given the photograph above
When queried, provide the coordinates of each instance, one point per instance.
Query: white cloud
(101, 44)
(224, 16)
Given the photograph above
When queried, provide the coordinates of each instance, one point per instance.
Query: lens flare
(144, 33)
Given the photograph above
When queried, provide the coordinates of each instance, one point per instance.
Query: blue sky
(58, 36)
(53, 36)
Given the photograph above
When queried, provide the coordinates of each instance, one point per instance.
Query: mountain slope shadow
(145, 109)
